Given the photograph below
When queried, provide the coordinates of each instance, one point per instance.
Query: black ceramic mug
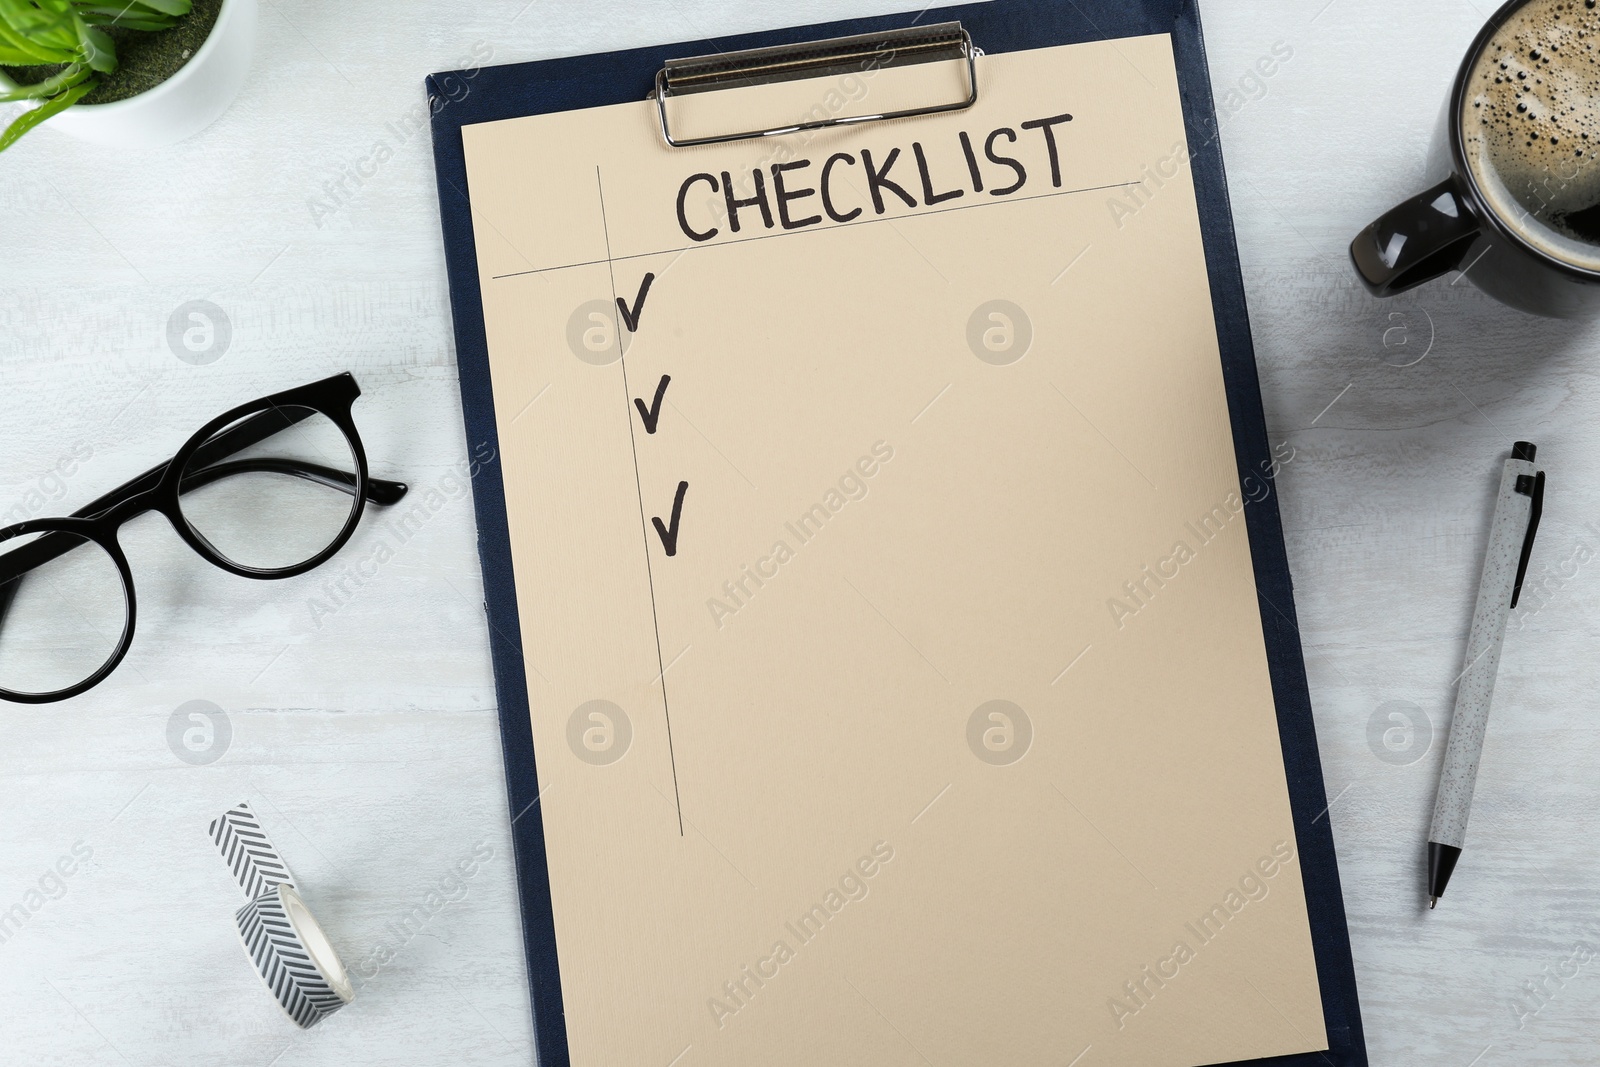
(1519, 208)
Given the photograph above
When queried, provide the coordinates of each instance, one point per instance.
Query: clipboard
(465, 98)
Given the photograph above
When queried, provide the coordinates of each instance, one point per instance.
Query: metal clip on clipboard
(816, 59)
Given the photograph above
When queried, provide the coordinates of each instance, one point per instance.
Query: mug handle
(1416, 241)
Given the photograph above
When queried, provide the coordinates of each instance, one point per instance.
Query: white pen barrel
(1476, 691)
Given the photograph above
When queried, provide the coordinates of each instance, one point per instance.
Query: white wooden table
(367, 739)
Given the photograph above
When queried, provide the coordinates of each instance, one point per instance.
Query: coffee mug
(1519, 212)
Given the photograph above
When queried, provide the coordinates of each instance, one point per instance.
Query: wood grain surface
(363, 725)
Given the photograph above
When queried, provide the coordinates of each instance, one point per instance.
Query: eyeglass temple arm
(379, 491)
(236, 438)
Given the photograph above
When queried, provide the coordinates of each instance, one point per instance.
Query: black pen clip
(1537, 492)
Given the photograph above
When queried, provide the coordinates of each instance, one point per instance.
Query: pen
(1516, 519)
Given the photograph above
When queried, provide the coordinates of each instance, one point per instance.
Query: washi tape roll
(290, 952)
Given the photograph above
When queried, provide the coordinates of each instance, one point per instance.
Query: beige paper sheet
(944, 735)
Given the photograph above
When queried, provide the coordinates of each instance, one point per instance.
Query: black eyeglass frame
(160, 488)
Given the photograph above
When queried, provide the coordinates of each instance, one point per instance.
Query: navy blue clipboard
(463, 98)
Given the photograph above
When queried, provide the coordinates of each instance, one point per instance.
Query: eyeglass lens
(61, 620)
(279, 502)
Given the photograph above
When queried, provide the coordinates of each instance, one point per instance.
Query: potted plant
(132, 73)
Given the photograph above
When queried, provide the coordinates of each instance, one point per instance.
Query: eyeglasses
(268, 490)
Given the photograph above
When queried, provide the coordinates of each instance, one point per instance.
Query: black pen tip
(1524, 450)
(1441, 862)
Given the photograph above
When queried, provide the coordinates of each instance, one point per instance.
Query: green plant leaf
(166, 7)
(126, 16)
(73, 75)
(146, 23)
(29, 119)
(98, 51)
(48, 23)
(47, 30)
(27, 12)
(12, 56)
(41, 51)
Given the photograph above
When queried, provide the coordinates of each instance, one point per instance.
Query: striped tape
(283, 940)
(255, 863)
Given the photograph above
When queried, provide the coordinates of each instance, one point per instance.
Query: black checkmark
(631, 317)
(669, 534)
(652, 414)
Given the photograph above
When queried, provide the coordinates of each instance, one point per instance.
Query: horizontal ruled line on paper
(823, 229)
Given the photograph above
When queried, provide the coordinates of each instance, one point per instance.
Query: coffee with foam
(1530, 123)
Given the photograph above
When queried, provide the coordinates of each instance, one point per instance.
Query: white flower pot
(184, 104)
